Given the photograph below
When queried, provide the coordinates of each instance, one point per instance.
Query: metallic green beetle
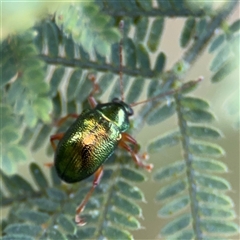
(90, 141)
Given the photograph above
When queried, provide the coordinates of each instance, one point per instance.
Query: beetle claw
(149, 167)
(145, 156)
(79, 221)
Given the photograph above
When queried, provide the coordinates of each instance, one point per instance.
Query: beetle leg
(64, 119)
(92, 101)
(50, 164)
(134, 155)
(128, 138)
(57, 136)
(97, 177)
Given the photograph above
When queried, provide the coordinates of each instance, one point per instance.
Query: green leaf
(170, 171)
(160, 64)
(235, 26)
(56, 80)
(176, 225)
(221, 57)
(211, 165)
(164, 4)
(123, 220)
(187, 32)
(184, 234)
(115, 93)
(83, 54)
(155, 34)
(145, 5)
(51, 35)
(201, 27)
(115, 58)
(21, 228)
(15, 91)
(203, 132)
(215, 226)
(225, 70)
(38, 176)
(42, 137)
(56, 194)
(54, 233)
(171, 190)
(9, 135)
(42, 107)
(130, 53)
(190, 85)
(46, 204)
(129, 191)
(17, 237)
(160, 114)
(206, 149)
(132, 175)
(30, 117)
(85, 233)
(111, 35)
(22, 184)
(214, 198)
(113, 233)
(69, 48)
(141, 29)
(213, 182)
(126, 206)
(198, 116)
(143, 58)
(74, 84)
(100, 53)
(104, 82)
(8, 70)
(35, 217)
(216, 212)
(67, 224)
(55, 178)
(135, 90)
(168, 140)
(7, 165)
(96, 30)
(102, 49)
(9, 184)
(84, 90)
(217, 42)
(173, 207)
(194, 103)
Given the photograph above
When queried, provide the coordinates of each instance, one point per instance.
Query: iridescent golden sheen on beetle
(91, 140)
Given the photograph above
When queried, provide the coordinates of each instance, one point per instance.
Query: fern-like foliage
(45, 75)
(195, 195)
(48, 212)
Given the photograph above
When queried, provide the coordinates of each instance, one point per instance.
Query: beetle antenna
(171, 92)
(121, 25)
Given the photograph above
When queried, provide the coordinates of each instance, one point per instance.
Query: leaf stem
(95, 66)
(202, 41)
(156, 12)
(189, 169)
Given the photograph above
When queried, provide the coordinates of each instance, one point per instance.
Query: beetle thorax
(116, 113)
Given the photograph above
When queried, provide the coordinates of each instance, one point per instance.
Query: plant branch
(191, 54)
(189, 170)
(200, 44)
(95, 66)
(156, 12)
